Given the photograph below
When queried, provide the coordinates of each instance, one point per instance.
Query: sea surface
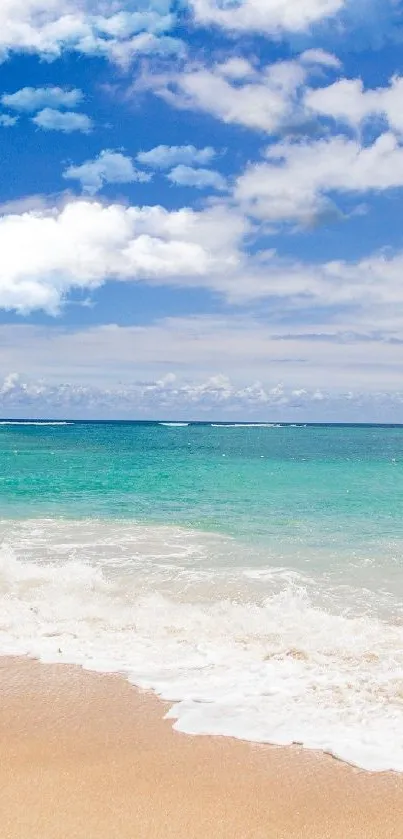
(252, 575)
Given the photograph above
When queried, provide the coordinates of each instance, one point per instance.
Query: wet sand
(85, 756)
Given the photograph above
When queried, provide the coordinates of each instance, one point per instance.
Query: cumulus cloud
(267, 99)
(66, 121)
(185, 397)
(91, 27)
(198, 178)
(46, 253)
(110, 167)
(7, 120)
(347, 101)
(295, 182)
(266, 16)
(165, 157)
(31, 99)
(167, 396)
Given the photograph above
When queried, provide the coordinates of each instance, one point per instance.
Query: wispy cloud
(166, 157)
(198, 178)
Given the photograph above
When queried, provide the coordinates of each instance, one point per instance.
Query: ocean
(251, 575)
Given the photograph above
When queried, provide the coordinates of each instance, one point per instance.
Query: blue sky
(200, 209)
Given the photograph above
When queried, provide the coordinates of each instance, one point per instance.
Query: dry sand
(84, 756)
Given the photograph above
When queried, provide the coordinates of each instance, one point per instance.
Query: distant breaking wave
(245, 425)
(29, 422)
(175, 424)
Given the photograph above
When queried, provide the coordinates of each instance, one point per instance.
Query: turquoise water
(267, 541)
(313, 483)
(316, 490)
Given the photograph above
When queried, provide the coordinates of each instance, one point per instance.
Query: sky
(201, 209)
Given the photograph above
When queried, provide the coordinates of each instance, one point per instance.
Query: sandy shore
(85, 756)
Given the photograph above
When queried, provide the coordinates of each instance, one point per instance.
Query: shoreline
(86, 755)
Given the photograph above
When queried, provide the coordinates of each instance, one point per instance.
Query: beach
(201, 419)
(201, 632)
(86, 755)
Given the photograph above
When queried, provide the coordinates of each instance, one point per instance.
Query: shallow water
(252, 575)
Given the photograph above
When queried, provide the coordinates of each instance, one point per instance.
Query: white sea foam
(246, 425)
(264, 654)
(32, 422)
(175, 424)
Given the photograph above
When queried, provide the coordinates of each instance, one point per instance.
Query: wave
(258, 659)
(175, 424)
(246, 425)
(32, 422)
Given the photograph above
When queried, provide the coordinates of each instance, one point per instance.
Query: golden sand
(84, 756)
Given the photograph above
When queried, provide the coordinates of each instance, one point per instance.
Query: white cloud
(65, 121)
(237, 68)
(164, 157)
(91, 27)
(198, 178)
(7, 121)
(320, 57)
(217, 397)
(347, 101)
(26, 204)
(46, 253)
(368, 290)
(108, 168)
(144, 44)
(166, 397)
(31, 99)
(295, 183)
(267, 99)
(229, 367)
(266, 16)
